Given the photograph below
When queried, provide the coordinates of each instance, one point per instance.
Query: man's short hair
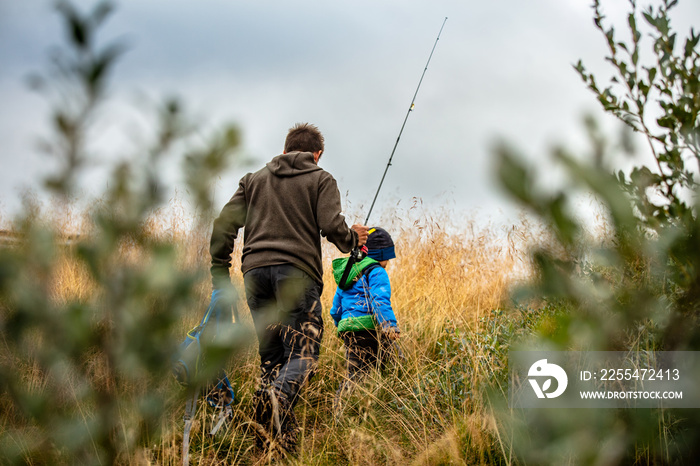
(304, 137)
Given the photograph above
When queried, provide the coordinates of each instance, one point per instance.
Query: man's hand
(361, 231)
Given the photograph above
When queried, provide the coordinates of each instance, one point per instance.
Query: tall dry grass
(425, 408)
(447, 277)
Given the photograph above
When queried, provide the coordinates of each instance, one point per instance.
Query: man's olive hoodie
(285, 208)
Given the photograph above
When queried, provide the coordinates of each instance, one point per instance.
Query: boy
(362, 312)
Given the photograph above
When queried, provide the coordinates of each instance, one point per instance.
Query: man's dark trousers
(285, 303)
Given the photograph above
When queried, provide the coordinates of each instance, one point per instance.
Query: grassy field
(450, 282)
(87, 339)
(426, 408)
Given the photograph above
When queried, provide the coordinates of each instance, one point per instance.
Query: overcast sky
(501, 69)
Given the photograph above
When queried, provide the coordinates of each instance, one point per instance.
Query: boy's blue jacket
(369, 296)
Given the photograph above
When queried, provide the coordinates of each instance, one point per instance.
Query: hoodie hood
(292, 164)
(355, 272)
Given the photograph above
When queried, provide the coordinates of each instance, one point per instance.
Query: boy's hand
(393, 334)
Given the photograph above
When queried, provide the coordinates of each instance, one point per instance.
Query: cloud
(501, 68)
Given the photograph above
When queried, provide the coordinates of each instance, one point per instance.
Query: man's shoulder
(323, 174)
(263, 171)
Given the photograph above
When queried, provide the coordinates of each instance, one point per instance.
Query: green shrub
(636, 288)
(85, 379)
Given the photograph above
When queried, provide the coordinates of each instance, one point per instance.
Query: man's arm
(226, 226)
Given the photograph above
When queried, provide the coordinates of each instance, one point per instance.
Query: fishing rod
(410, 109)
(357, 254)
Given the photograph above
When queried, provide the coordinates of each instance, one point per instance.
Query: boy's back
(366, 304)
(362, 311)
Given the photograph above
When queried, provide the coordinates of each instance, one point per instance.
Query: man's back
(284, 206)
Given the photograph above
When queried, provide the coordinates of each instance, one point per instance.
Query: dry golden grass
(446, 277)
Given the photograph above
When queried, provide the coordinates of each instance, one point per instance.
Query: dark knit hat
(380, 245)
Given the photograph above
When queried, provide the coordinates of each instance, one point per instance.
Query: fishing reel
(357, 254)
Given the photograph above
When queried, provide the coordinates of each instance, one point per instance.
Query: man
(285, 208)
